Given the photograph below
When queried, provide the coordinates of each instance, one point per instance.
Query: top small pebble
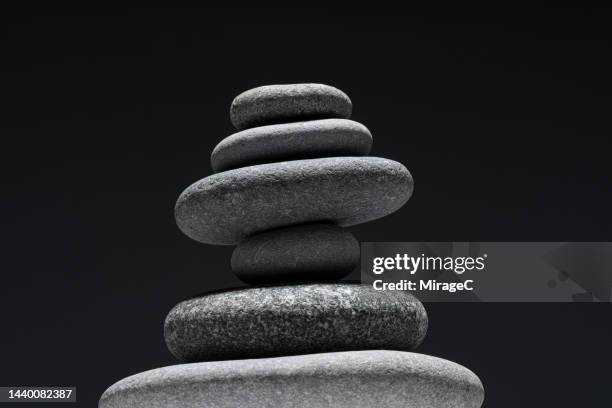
(288, 103)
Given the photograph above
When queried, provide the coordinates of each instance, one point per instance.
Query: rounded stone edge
(291, 141)
(286, 103)
(462, 387)
(307, 252)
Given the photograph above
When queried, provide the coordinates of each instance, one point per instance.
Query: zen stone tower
(295, 174)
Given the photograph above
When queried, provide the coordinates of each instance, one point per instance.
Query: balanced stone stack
(286, 184)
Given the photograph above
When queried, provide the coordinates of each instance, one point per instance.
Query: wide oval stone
(310, 252)
(357, 379)
(298, 319)
(291, 141)
(227, 207)
(288, 103)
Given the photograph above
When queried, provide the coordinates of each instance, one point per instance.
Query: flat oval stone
(357, 379)
(227, 207)
(288, 103)
(307, 252)
(292, 141)
(299, 319)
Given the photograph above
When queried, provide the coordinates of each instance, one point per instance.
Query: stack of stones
(286, 184)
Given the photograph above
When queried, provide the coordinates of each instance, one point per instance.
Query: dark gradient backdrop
(503, 117)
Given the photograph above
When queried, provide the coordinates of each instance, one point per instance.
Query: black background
(502, 116)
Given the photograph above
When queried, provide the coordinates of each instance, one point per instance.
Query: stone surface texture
(227, 207)
(359, 379)
(305, 252)
(292, 141)
(288, 103)
(298, 319)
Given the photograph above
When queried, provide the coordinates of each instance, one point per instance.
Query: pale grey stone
(358, 379)
(227, 207)
(291, 141)
(288, 103)
(295, 319)
(310, 252)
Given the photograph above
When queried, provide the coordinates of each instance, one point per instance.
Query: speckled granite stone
(357, 379)
(288, 103)
(227, 207)
(298, 319)
(292, 141)
(309, 252)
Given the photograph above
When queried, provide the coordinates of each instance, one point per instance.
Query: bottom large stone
(376, 378)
